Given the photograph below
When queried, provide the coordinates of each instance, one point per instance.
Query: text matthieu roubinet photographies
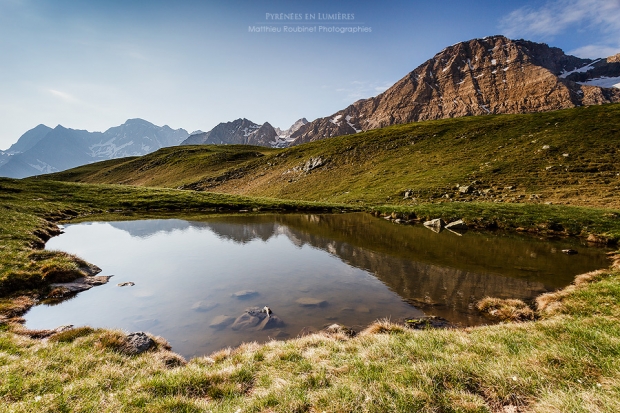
(309, 23)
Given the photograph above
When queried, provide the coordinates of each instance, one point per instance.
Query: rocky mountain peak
(477, 77)
(238, 132)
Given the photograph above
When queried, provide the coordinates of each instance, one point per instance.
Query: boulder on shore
(437, 224)
(459, 225)
(137, 343)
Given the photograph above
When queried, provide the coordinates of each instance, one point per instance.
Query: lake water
(312, 270)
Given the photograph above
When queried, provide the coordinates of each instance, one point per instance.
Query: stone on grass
(137, 343)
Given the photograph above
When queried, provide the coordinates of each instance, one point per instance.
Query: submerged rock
(255, 319)
(221, 321)
(204, 305)
(244, 294)
(362, 309)
(311, 302)
(306, 331)
(245, 322)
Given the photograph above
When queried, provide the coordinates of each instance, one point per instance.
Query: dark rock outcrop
(238, 132)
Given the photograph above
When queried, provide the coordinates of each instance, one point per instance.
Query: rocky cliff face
(482, 76)
(240, 131)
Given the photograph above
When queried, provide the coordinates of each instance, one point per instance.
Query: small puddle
(193, 279)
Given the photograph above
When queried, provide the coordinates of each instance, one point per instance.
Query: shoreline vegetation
(567, 358)
(560, 354)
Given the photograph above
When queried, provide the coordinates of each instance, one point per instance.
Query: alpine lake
(202, 284)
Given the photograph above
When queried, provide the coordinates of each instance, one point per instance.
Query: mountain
(4, 157)
(601, 72)
(481, 76)
(60, 149)
(284, 136)
(567, 156)
(43, 150)
(135, 137)
(240, 132)
(29, 139)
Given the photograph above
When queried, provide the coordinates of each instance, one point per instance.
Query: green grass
(566, 360)
(525, 152)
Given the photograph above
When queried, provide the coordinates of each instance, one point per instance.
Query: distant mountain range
(245, 132)
(482, 76)
(43, 150)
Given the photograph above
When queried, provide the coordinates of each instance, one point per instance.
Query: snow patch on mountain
(43, 167)
(603, 81)
(582, 69)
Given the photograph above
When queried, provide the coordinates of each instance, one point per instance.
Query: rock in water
(270, 322)
(457, 225)
(221, 321)
(255, 319)
(436, 224)
(246, 321)
(244, 294)
(430, 322)
(311, 302)
(81, 284)
(267, 311)
(204, 306)
(137, 343)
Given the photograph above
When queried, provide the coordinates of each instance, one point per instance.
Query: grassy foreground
(567, 360)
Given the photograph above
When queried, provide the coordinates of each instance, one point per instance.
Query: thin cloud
(558, 16)
(593, 51)
(64, 96)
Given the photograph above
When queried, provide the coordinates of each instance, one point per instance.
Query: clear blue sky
(192, 64)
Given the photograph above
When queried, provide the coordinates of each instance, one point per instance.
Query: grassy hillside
(565, 157)
(565, 360)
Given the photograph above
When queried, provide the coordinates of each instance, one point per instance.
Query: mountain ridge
(560, 156)
(494, 75)
(45, 150)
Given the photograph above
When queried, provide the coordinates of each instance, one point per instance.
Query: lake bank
(566, 360)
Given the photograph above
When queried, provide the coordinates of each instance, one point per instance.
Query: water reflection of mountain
(243, 233)
(150, 227)
(443, 273)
